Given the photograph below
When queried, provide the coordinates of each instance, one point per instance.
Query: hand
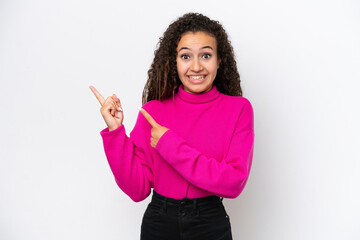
(111, 110)
(157, 130)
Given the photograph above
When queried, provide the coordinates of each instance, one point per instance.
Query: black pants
(185, 219)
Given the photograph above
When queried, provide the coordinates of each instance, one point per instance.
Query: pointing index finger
(148, 117)
(99, 97)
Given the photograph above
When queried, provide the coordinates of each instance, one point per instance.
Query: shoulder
(237, 102)
(242, 108)
(152, 107)
(158, 109)
(155, 106)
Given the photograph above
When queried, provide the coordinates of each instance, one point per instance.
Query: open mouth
(196, 78)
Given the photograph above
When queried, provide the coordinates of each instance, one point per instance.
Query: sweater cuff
(106, 132)
(166, 140)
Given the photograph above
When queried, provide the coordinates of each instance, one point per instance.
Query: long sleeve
(127, 159)
(224, 177)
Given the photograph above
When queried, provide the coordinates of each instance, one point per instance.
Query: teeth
(196, 77)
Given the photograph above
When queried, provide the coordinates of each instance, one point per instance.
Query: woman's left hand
(157, 130)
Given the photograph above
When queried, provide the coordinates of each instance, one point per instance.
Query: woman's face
(197, 61)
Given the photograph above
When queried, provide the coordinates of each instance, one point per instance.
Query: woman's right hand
(111, 110)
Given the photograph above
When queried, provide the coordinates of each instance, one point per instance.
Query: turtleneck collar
(198, 98)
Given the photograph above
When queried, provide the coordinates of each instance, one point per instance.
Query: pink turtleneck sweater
(207, 151)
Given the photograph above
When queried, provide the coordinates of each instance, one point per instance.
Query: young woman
(193, 138)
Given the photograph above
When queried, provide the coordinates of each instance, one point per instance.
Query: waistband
(185, 201)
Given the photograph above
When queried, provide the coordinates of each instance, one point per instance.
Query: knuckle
(109, 100)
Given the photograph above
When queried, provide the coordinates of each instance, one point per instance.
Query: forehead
(194, 40)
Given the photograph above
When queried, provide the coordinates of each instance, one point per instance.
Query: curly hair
(163, 80)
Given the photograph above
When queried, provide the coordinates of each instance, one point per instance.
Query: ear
(218, 63)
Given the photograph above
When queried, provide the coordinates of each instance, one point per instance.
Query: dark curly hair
(163, 80)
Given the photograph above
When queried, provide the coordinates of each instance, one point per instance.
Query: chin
(197, 88)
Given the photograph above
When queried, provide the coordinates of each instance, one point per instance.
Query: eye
(185, 56)
(206, 55)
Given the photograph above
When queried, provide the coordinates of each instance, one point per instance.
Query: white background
(299, 64)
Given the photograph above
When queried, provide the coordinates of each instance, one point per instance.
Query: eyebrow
(186, 48)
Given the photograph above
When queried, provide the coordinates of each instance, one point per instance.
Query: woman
(192, 142)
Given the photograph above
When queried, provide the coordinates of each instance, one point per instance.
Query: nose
(196, 65)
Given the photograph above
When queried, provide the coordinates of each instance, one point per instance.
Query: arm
(127, 159)
(226, 178)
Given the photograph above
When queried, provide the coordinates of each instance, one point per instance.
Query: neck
(209, 95)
